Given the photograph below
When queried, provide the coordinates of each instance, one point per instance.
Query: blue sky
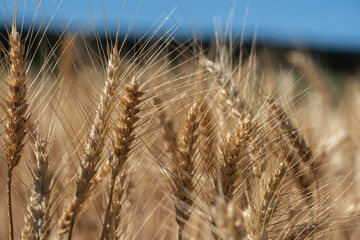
(326, 24)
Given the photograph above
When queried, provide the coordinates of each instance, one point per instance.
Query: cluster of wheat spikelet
(172, 141)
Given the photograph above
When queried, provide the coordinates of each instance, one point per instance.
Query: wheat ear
(38, 218)
(234, 152)
(124, 137)
(207, 130)
(94, 145)
(15, 110)
(269, 201)
(183, 177)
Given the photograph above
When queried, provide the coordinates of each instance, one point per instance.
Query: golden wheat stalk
(115, 219)
(37, 221)
(94, 145)
(183, 177)
(235, 150)
(16, 116)
(124, 138)
(303, 177)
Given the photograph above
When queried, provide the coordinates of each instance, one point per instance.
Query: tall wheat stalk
(124, 137)
(184, 174)
(37, 221)
(16, 116)
(94, 145)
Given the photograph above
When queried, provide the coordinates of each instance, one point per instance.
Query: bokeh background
(328, 29)
(322, 24)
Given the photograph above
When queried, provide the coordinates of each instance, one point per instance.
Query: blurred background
(329, 29)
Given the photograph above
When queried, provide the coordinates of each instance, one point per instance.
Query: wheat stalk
(37, 222)
(234, 152)
(94, 145)
(183, 176)
(303, 178)
(15, 110)
(124, 138)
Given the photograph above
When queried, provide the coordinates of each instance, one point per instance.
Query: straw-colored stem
(11, 229)
(94, 145)
(15, 110)
(108, 206)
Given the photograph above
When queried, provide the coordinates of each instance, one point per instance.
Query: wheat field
(172, 140)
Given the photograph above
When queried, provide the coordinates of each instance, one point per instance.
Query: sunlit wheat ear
(272, 190)
(208, 135)
(269, 199)
(124, 137)
(37, 221)
(15, 110)
(184, 173)
(233, 165)
(94, 145)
